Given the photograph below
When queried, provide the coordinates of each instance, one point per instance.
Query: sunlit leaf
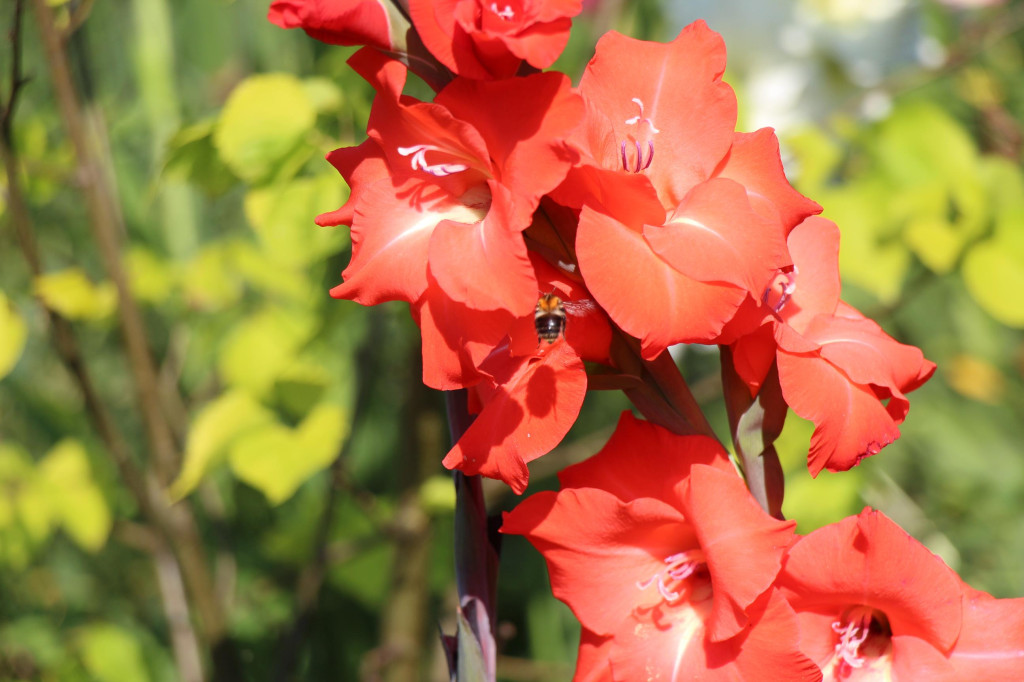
(261, 347)
(150, 277)
(994, 274)
(262, 122)
(213, 430)
(13, 333)
(209, 280)
(111, 654)
(276, 460)
(70, 293)
(324, 94)
(282, 215)
(191, 156)
(75, 499)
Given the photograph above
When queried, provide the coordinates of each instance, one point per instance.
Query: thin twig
(177, 524)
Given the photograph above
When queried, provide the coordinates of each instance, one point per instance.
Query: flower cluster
(532, 227)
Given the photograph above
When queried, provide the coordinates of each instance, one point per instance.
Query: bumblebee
(549, 318)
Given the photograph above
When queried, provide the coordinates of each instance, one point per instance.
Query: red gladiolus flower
(482, 39)
(836, 367)
(338, 22)
(673, 201)
(667, 562)
(442, 191)
(873, 603)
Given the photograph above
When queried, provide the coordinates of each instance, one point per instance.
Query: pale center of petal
(673, 580)
(645, 130)
(777, 294)
(419, 160)
(864, 641)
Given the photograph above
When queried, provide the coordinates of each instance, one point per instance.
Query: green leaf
(282, 215)
(13, 333)
(151, 278)
(994, 274)
(264, 119)
(75, 499)
(213, 430)
(209, 280)
(111, 654)
(262, 347)
(324, 93)
(71, 294)
(276, 460)
(192, 157)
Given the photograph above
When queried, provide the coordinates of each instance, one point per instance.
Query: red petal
(869, 560)
(849, 421)
(767, 651)
(598, 548)
(484, 265)
(642, 459)
(991, 643)
(680, 86)
(340, 22)
(524, 122)
(536, 403)
(714, 236)
(456, 339)
(742, 544)
(390, 241)
(644, 295)
(754, 162)
(865, 353)
(814, 246)
(361, 167)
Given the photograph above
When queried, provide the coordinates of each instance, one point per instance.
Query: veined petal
(850, 423)
(642, 459)
(524, 122)
(991, 642)
(715, 236)
(390, 241)
(598, 548)
(643, 294)
(754, 162)
(868, 560)
(484, 264)
(536, 402)
(743, 545)
(814, 247)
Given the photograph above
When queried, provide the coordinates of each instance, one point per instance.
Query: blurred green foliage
(310, 452)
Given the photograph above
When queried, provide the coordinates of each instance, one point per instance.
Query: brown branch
(177, 524)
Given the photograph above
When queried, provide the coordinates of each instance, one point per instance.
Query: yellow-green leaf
(75, 499)
(111, 654)
(71, 293)
(219, 423)
(209, 279)
(282, 216)
(276, 460)
(262, 122)
(151, 278)
(13, 333)
(994, 274)
(261, 347)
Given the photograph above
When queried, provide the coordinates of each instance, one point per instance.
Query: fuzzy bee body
(549, 318)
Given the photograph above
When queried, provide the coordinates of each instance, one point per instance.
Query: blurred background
(211, 470)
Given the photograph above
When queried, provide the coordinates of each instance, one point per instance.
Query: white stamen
(419, 161)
